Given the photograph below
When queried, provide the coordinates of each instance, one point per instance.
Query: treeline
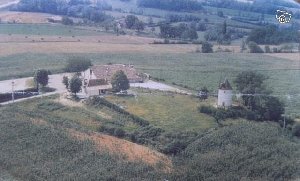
(173, 5)
(181, 31)
(222, 34)
(262, 6)
(271, 34)
(173, 18)
(74, 8)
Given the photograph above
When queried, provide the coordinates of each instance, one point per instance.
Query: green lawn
(44, 29)
(191, 69)
(168, 111)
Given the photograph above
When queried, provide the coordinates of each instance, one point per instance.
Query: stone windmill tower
(225, 95)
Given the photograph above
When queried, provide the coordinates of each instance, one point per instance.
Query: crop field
(191, 69)
(168, 111)
(60, 148)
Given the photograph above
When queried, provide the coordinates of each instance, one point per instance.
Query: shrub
(207, 47)
(207, 110)
(254, 48)
(296, 130)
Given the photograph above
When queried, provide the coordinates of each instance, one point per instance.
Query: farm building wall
(224, 98)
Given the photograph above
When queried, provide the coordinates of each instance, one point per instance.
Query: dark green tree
(75, 84)
(254, 48)
(119, 81)
(207, 47)
(67, 21)
(77, 64)
(66, 81)
(267, 49)
(131, 21)
(272, 108)
(41, 77)
(251, 83)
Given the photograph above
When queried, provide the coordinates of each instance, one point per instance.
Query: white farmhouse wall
(224, 98)
(87, 75)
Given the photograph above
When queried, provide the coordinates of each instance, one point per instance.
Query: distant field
(43, 29)
(168, 111)
(24, 17)
(191, 69)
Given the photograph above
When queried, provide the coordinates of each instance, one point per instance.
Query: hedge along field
(191, 69)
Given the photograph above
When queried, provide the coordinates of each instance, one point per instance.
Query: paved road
(8, 4)
(158, 86)
(55, 81)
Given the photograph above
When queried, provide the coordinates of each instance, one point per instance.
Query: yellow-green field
(167, 110)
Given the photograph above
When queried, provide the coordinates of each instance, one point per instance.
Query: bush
(77, 64)
(254, 48)
(296, 130)
(207, 47)
(207, 110)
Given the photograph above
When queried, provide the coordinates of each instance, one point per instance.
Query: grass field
(168, 111)
(44, 29)
(191, 69)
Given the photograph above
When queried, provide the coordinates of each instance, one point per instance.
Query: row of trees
(133, 22)
(73, 8)
(222, 34)
(271, 34)
(173, 5)
(181, 31)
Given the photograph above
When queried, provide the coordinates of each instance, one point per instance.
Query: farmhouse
(225, 95)
(97, 78)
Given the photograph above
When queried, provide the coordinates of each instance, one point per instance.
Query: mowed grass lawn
(169, 111)
(192, 69)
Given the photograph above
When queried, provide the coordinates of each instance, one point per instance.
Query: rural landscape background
(156, 135)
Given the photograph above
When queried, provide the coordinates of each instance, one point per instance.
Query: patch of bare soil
(131, 151)
(67, 102)
(38, 122)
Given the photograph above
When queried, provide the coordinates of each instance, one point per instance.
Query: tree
(296, 130)
(224, 28)
(250, 83)
(267, 49)
(77, 64)
(272, 109)
(220, 14)
(67, 21)
(203, 94)
(254, 48)
(119, 81)
(139, 25)
(66, 81)
(130, 21)
(75, 84)
(207, 47)
(41, 77)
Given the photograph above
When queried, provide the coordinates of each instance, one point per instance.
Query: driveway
(55, 81)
